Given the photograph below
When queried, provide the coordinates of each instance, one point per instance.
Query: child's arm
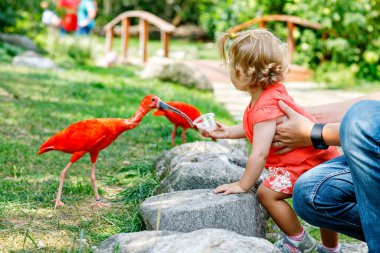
(263, 135)
(226, 132)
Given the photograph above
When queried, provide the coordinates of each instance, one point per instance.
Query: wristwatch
(316, 136)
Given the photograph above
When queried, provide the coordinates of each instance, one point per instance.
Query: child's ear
(238, 73)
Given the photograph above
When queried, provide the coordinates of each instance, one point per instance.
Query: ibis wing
(80, 136)
(159, 113)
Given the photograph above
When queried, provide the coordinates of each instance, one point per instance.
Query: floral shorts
(282, 179)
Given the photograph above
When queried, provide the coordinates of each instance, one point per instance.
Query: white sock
(297, 238)
(332, 250)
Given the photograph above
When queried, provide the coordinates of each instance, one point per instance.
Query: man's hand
(292, 133)
(229, 188)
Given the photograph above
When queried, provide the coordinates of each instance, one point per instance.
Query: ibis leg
(183, 135)
(58, 201)
(173, 135)
(98, 201)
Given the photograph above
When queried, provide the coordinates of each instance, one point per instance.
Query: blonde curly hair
(256, 59)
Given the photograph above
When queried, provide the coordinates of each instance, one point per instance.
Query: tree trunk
(107, 7)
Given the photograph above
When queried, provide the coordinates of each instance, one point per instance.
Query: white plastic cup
(206, 122)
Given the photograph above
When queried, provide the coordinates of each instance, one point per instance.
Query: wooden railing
(144, 18)
(291, 22)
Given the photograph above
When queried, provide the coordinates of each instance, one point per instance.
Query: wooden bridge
(144, 19)
(297, 73)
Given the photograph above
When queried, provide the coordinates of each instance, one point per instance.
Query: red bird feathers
(177, 120)
(93, 135)
(88, 136)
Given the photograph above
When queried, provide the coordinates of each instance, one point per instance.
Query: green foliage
(8, 51)
(336, 76)
(20, 16)
(187, 11)
(351, 27)
(68, 50)
(8, 16)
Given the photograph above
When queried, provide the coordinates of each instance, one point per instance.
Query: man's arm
(330, 134)
(295, 131)
(334, 112)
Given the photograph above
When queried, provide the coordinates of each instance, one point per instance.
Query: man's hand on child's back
(293, 132)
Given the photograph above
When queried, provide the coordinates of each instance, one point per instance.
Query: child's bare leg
(329, 241)
(280, 211)
(296, 239)
(329, 238)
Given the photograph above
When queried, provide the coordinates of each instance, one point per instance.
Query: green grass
(34, 105)
(189, 49)
(68, 50)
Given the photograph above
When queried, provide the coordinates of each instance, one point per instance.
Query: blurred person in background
(86, 16)
(69, 22)
(49, 17)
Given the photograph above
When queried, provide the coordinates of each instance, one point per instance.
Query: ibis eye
(153, 99)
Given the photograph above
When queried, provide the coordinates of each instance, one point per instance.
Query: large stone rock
(200, 241)
(33, 60)
(138, 242)
(220, 158)
(19, 40)
(186, 211)
(355, 247)
(176, 71)
(163, 162)
(235, 145)
(203, 171)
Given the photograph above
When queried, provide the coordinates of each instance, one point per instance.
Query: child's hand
(220, 132)
(229, 188)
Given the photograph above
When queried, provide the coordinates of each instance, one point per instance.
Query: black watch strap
(316, 136)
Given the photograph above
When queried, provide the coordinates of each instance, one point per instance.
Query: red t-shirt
(266, 108)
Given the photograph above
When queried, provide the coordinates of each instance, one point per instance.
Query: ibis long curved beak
(165, 106)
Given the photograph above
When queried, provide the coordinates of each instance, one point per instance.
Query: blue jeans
(343, 194)
(85, 30)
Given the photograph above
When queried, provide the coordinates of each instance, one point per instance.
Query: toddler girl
(256, 60)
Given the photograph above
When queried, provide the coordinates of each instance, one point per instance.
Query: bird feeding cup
(206, 122)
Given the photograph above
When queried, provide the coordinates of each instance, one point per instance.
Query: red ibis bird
(93, 135)
(177, 120)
